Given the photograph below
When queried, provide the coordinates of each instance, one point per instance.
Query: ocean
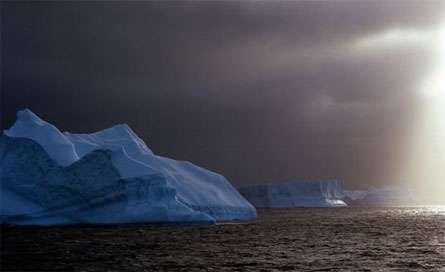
(301, 239)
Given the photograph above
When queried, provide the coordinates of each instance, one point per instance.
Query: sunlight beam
(426, 161)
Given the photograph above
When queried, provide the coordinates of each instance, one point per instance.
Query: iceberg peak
(119, 130)
(26, 115)
(29, 125)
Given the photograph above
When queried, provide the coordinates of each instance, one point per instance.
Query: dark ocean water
(339, 239)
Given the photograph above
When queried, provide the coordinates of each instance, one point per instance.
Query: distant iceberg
(381, 196)
(110, 176)
(295, 194)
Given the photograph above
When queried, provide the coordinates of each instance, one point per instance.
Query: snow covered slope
(295, 194)
(106, 177)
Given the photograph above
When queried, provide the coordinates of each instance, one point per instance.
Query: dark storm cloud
(255, 90)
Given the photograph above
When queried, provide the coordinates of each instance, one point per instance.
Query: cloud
(396, 39)
(231, 85)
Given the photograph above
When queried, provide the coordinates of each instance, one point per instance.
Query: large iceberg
(295, 194)
(111, 176)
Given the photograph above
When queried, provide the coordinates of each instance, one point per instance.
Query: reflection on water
(340, 239)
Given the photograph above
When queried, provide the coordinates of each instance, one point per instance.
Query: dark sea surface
(306, 239)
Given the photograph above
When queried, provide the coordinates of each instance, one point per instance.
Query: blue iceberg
(107, 177)
(386, 196)
(327, 193)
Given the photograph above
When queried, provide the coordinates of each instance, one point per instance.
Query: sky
(259, 91)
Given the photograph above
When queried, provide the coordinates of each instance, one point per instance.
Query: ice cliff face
(295, 194)
(37, 190)
(111, 176)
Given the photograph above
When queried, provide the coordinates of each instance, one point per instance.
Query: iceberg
(111, 176)
(295, 194)
(381, 196)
